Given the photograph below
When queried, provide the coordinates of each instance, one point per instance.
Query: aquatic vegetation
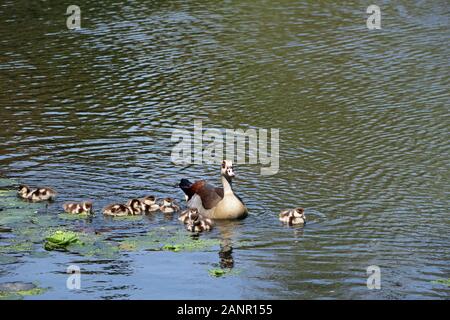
(164, 239)
(127, 246)
(18, 290)
(445, 282)
(8, 183)
(219, 272)
(60, 240)
(95, 247)
(16, 246)
(78, 216)
(15, 210)
(4, 259)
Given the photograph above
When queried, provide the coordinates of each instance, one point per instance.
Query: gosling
(169, 206)
(197, 223)
(84, 207)
(149, 204)
(36, 195)
(293, 216)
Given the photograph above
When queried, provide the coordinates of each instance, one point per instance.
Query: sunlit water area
(363, 120)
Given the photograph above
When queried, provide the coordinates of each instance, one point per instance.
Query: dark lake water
(364, 143)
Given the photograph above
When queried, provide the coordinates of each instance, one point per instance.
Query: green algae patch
(60, 240)
(186, 243)
(96, 248)
(166, 239)
(219, 272)
(124, 218)
(84, 244)
(67, 216)
(17, 246)
(19, 290)
(127, 246)
(445, 282)
(15, 210)
(4, 259)
(172, 247)
(8, 183)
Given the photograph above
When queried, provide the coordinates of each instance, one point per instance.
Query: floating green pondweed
(167, 240)
(61, 239)
(445, 282)
(19, 290)
(67, 216)
(16, 246)
(219, 272)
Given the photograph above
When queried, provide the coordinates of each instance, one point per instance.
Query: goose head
(227, 170)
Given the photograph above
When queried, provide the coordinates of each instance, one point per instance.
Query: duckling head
(150, 200)
(135, 205)
(87, 206)
(227, 169)
(167, 202)
(23, 190)
(193, 214)
(299, 213)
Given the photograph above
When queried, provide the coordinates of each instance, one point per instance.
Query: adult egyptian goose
(215, 203)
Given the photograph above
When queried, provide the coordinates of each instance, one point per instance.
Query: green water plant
(19, 290)
(166, 239)
(61, 239)
(221, 272)
(445, 282)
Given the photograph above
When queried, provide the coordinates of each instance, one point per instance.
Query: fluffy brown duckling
(195, 222)
(84, 207)
(184, 216)
(293, 216)
(36, 195)
(149, 204)
(117, 210)
(169, 206)
(135, 206)
(132, 208)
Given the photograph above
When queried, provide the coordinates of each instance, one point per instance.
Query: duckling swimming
(84, 207)
(117, 210)
(197, 223)
(293, 216)
(36, 195)
(135, 206)
(184, 216)
(169, 206)
(149, 204)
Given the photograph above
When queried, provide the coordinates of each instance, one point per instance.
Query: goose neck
(226, 182)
